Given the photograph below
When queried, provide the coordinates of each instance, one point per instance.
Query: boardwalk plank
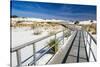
(77, 52)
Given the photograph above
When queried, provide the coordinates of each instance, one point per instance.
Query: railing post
(87, 44)
(55, 47)
(18, 55)
(87, 36)
(85, 39)
(89, 47)
(63, 37)
(55, 36)
(34, 57)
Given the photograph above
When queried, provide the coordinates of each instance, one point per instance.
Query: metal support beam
(18, 55)
(34, 57)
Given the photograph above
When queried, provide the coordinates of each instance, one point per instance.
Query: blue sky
(53, 10)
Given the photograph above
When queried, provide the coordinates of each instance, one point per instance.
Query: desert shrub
(19, 21)
(76, 22)
(49, 22)
(94, 32)
(91, 21)
(37, 32)
(89, 30)
(67, 34)
(52, 32)
(54, 42)
(92, 28)
(33, 27)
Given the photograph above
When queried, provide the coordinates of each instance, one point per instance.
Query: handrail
(36, 53)
(60, 55)
(32, 42)
(90, 49)
(36, 59)
(43, 53)
(17, 49)
(92, 38)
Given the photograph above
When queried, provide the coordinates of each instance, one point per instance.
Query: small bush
(37, 32)
(89, 30)
(54, 42)
(49, 22)
(93, 32)
(52, 32)
(67, 34)
(76, 22)
(33, 27)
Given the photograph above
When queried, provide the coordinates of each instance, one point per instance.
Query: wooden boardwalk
(77, 50)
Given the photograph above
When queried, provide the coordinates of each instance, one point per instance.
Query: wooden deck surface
(77, 51)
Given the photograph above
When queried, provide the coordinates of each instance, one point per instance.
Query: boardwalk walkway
(77, 51)
(80, 47)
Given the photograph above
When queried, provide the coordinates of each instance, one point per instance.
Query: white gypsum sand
(22, 35)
